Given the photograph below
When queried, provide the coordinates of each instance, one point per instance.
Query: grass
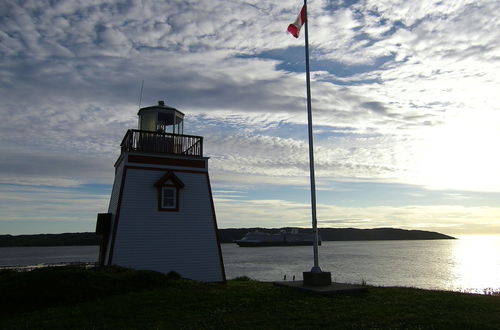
(117, 298)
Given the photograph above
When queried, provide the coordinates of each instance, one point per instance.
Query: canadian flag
(294, 28)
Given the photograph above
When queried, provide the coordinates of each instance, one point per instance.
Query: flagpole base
(317, 278)
(316, 269)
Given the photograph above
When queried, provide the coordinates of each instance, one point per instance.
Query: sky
(405, 99)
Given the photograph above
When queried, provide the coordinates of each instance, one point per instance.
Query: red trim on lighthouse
(167, 161)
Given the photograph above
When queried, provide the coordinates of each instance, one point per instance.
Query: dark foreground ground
(117, 298)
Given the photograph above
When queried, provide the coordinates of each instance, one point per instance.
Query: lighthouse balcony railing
(166, 143)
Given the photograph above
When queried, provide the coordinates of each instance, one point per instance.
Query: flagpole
(315, 268)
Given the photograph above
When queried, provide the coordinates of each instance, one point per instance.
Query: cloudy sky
(405, 97)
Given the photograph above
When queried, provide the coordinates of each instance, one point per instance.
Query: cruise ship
(283, 238)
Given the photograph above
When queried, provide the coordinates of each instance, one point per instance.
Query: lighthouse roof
(161, 107)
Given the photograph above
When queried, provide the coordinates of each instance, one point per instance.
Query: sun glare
(477, 263)
(460, 154)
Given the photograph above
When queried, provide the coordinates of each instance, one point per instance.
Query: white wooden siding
(113, 204)
(183, 241)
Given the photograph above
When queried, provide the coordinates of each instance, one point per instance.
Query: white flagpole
(315, 268)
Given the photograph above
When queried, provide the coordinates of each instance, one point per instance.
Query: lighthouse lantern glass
(161, 119)
(165, 122)
(179, 124)
(147, 121)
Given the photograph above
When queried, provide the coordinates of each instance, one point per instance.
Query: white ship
(283, 238)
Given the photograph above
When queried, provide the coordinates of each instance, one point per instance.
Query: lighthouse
(161, 213)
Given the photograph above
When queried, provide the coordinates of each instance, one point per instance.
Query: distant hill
(229, 235)
(65, 239)
(343, 234)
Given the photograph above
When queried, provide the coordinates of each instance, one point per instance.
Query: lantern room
(161, 118)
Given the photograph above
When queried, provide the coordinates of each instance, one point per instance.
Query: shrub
(43, 287)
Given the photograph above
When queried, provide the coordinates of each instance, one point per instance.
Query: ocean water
(469, 264)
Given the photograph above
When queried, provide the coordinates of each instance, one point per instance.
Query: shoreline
(92, 265)
(230, 235)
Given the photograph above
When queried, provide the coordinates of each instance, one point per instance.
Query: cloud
(39, 206)
(53, 169)
(450, 219)
(394, 84)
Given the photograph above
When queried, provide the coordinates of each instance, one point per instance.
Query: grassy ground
(116, 298)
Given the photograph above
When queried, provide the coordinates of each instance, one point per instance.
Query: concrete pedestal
(334, 288)
(317, 278)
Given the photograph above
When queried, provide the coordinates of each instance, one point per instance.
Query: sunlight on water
(477, 263)
(470, 264)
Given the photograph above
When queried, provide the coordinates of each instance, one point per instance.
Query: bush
(39, 288)
(174, 276)
(242, 279)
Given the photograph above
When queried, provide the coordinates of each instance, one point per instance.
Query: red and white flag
(294, 28)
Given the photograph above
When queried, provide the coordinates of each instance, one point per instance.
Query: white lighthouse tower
(161, 214)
